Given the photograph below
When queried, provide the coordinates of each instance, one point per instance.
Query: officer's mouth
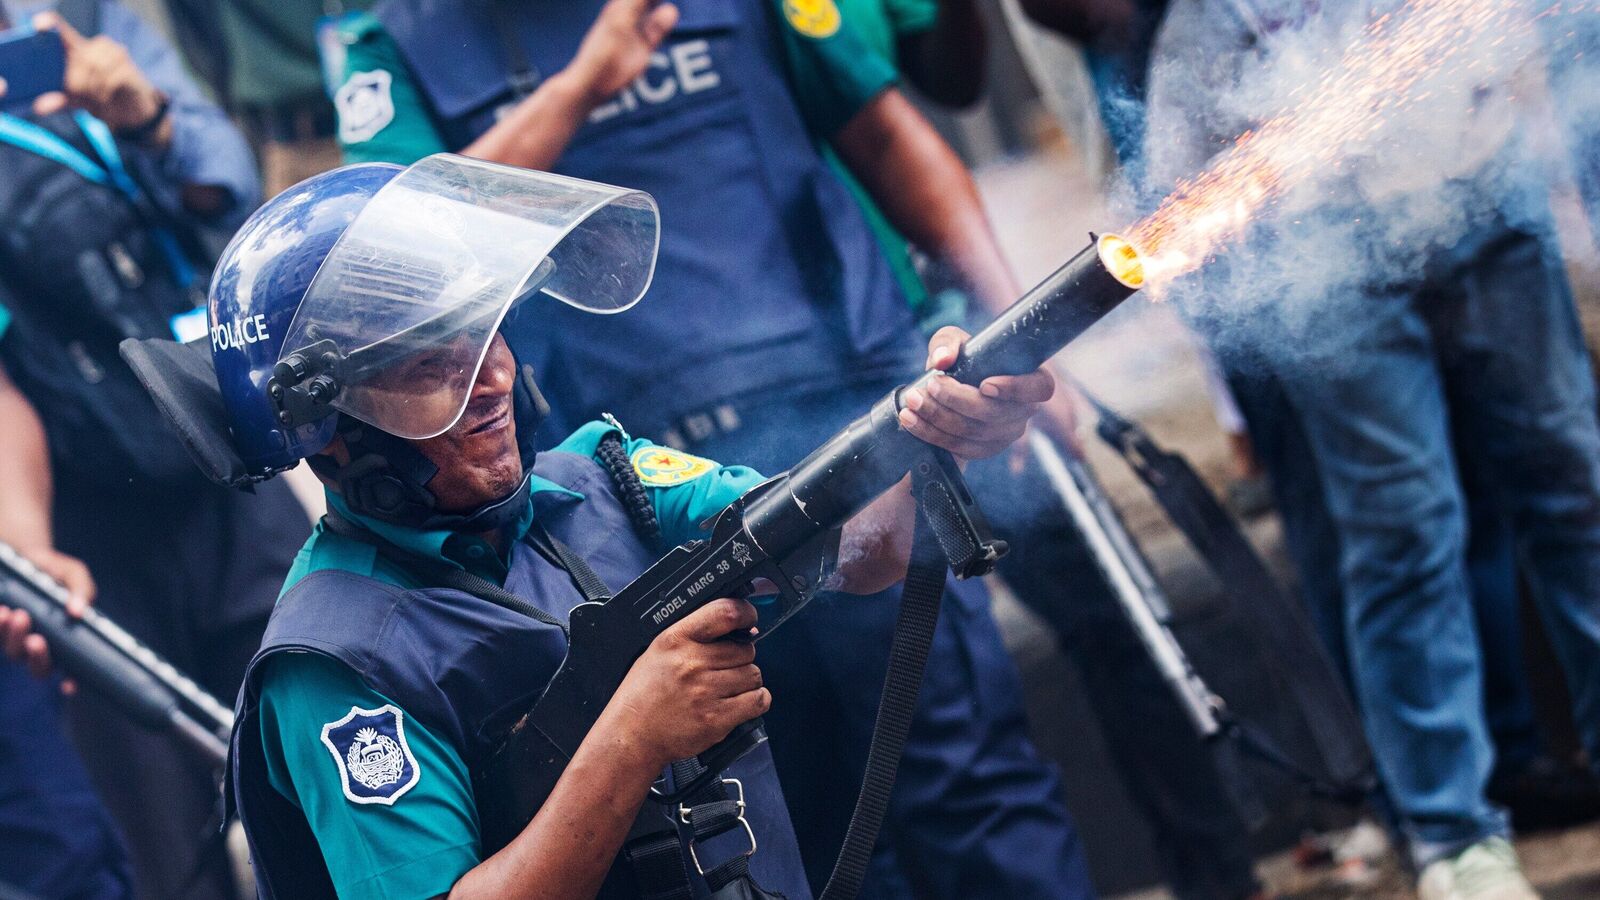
(492, 415)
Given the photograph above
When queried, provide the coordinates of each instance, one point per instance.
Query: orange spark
(1380, 81)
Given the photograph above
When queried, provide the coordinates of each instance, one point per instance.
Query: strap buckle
(686, 816)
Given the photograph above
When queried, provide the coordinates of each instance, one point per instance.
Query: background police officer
(775, 320)
(103, 188)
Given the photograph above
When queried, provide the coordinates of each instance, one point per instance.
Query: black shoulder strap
(438, 573)
(592, 586)
(520, 70)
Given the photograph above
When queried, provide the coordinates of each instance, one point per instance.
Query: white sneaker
(1486, 870)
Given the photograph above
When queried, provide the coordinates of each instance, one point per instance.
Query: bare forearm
(536, 131)
(926, 192)
(568, 848)
(947, 61)
(876, 545)
(26, 496)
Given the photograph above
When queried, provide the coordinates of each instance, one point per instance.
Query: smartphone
(32, 63)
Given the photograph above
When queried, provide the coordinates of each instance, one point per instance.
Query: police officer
(105, 188)
(376, 295)
(776, 320)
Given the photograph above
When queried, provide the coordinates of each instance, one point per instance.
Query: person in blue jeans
(1483, 316)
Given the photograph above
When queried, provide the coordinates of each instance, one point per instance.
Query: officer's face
(477, 458)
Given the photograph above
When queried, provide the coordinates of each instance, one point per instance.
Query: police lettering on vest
(748, 211)
(239, 332)
(688, 67)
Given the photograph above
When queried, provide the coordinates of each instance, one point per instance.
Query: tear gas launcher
(108, 660)
(786, 530)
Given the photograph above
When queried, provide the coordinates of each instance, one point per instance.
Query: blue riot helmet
(363, 301)
(256, 289)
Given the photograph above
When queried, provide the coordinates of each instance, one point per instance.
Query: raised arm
(613, 53)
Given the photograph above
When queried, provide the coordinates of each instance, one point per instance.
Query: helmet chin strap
(387, 477)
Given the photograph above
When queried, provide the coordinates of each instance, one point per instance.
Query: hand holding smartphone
(32, 63)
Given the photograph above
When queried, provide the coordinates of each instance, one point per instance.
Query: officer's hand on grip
(971, 422)
(103, 80)
(21, 644)
(618, 45)
(691, 687)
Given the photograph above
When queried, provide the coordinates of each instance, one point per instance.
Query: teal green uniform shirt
(423, 842)
(835, 75)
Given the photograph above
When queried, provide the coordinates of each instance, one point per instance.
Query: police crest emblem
(817, 19)
(665, 467)
(369, 747)
(365, 105)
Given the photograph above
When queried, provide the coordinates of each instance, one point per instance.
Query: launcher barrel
(872, 453)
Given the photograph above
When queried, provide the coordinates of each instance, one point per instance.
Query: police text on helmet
(239, 332)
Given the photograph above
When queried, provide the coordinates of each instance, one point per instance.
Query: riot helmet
(363, 301)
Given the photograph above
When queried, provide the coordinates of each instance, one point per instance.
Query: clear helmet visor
(411, 295)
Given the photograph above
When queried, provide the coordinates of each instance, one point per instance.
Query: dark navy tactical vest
(768, 274)
(467, 669)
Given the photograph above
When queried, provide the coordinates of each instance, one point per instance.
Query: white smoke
(1481, 130)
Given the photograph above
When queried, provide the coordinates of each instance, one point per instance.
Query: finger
(716, 619)
(69, 687)
(964, 400)
(38, 655)
(920, 407)
(726, 683)
(658, 24)
(73, 575)
(749, 705)
(1035, 387)
(70, 37)
(50, 103)
(728, 654)
(17, 633)
(3, 86)
(945, 346)
(964, 447)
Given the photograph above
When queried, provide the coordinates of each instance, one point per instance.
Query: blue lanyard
(109, 171)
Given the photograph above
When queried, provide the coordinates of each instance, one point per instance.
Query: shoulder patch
(365, 105)
(664, 467)
(370, 750)
(818, 19)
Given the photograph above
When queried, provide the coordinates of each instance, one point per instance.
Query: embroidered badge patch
(365, 105)
(817, 19)
(665, 467)
(369, 747)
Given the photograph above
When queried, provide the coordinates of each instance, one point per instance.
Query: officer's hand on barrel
(618, 46)
(16, 626)
(971, 422)
(692, 687)
(102, 79)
